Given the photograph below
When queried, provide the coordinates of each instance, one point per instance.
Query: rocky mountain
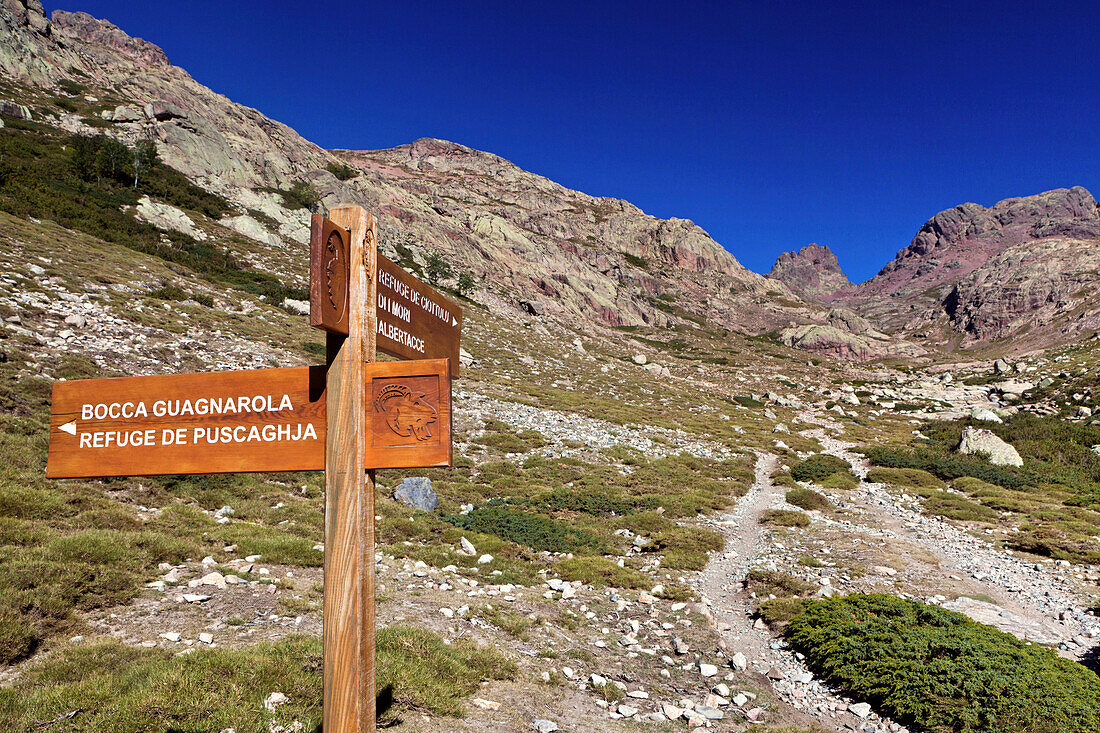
(1025, 267)
(813, 272)
(527, 241)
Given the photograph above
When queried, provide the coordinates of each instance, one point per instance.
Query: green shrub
(536, 531)
(818, 467)
(785, 518)
(776, 583)
(808, 499)
(342, 171)
(948, 466)
(958, 507)
(600, 571)
(939, 671)
(905, 478)
(301, 195)
(777, 611)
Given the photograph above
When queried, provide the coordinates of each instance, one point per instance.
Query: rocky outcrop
(813, 272)
(956, 242)
(832, 341)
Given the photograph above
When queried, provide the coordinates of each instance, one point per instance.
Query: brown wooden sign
(250, 421)
(329, 270)
(414, 320)
(409, 414)
(215, 422)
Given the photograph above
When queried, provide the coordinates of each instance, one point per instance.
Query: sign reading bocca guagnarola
(214, 422)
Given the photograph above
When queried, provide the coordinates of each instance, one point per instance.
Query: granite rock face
(813, 272)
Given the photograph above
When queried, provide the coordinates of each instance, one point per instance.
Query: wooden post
(349, 688)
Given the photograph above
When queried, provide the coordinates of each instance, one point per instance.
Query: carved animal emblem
(407, 413)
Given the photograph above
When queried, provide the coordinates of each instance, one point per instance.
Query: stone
(215, 579)
(533, 307)
(467, 547)
(982, 441)
(709, 713)
(860, 709)
(598, 680)
(417, 493)
(166, 216)
(13, 109)
(671, 711)
(640, 359)
(297, 307)
(171, 636)
(985, 415)
(128, 113)
(206, 638)
(1001, 367)
(485, 559)
(274, 700)
(626, 711)
(465, 358)
(486, 704)
(739, 662)
(707, 670)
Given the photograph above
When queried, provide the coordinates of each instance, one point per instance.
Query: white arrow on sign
(69, 427)
(454, 321)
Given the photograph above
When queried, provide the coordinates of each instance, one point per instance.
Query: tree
(302, 195)
(465, 283)
(436, 268)
(84, 150)
(143, 157)
(111, 158)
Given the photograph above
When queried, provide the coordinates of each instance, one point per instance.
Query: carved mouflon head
(407, 413)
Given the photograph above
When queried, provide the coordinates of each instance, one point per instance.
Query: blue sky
(770, 124)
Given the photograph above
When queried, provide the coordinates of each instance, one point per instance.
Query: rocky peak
(93, 31)
(958, 241)
(813, 272)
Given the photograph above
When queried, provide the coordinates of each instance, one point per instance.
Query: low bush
(939, 671)
(818, 467)
(958, 507)
(536, 531)
(914, 478)
(776, 583)
(808, 499)
(600, 571)
(785, 518)
(779, 611)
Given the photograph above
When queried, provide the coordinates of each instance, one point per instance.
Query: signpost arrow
(414, 320)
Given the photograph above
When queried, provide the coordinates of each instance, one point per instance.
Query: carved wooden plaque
(213, 422)
(414, 320)
(328, 275)
(409, 414)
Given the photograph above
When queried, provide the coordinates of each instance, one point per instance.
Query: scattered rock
(982, 441)
(274, 700)
(417, 493)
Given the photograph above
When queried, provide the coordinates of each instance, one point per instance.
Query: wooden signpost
(349, 417)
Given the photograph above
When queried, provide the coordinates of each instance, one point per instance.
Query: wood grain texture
(414, 320)
(349, 615)
(409, 414)
(188, 423)
(328, 275)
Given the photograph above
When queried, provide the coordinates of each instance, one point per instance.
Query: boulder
(297, 307)
(128, 113)
(417, 493)
(985, 414)
(983, 442)
(533, 307)
(13, 109)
